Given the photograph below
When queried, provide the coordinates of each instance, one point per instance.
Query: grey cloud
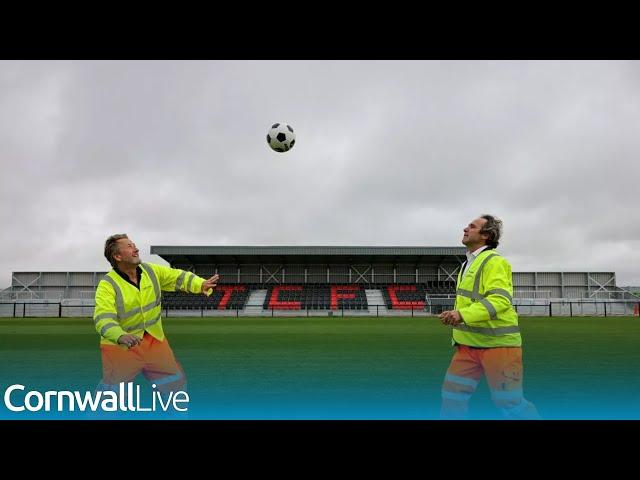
(387, 153)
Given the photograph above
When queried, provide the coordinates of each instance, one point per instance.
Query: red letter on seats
(275, 303)
(337, 293)
(228, 291)
(399, 304)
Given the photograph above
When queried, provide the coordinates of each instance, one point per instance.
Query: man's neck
(129, 271)
(473, 248)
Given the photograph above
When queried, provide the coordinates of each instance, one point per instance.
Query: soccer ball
(281, 137)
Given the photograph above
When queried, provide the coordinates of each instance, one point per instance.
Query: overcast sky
(387, 153)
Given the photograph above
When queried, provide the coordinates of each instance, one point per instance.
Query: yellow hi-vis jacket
(121, 308)
(483, 298)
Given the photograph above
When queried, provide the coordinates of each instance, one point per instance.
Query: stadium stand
(259, 280)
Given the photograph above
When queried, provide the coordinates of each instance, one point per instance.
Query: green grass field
(390, 367)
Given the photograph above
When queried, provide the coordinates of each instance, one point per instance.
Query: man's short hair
(111, 247)
(493, 228)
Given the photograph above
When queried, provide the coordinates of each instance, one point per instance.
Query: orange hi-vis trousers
(503, 369)
(152, 357)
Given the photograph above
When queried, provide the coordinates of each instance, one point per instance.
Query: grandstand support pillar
(14, 310)
(550, 312)
(377, 311)
(373, 275)
(605, 308)
(416, 275)
(60, 310)
(305, 277)
(571, 309)
(328, 275)
(238, 275)
(394, 275)
(201, 311)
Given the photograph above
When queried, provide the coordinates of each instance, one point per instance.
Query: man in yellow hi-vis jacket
(486, 334)
(128, 315)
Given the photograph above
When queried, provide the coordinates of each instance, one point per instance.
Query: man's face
(472, 236)
(127, 252)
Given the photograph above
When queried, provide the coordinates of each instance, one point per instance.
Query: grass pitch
(344, 368)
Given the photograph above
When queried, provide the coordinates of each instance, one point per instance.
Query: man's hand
(450, 317)
(210, 284)
(129, 340)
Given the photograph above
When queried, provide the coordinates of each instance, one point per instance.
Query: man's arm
(177, 280)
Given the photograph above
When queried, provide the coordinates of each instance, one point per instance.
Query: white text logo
(125, 399)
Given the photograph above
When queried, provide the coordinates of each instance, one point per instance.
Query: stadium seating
(316, 297)
(404, 297)
(413, 296)
(224, 297)
(311, 296)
